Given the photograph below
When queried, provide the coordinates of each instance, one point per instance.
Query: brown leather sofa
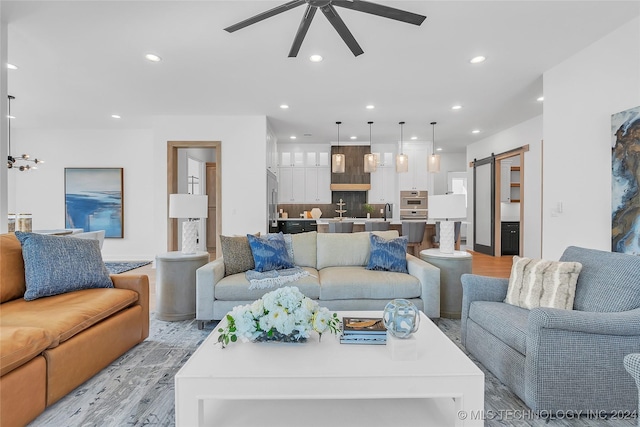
(51, 345)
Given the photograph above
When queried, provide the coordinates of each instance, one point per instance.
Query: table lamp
(191, 207)
(445, 208)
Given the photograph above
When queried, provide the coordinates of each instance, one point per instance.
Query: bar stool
(415, 232)
(341, 227)
(376, 226)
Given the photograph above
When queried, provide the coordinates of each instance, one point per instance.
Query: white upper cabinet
(291, 183)
(291, 159)
(386, 154)
(383, 185)
(317, 158)
(418, 176)
(317, 185)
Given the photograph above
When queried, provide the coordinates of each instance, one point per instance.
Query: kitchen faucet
(385, 210)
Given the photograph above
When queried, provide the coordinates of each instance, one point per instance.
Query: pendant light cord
(9, 124)
(338, 123)
(401, 137)
(433, 139)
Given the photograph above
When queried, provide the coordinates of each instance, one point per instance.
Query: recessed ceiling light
(414, 138)
(11, 117)
(540, 99)
(116, 116)
(370, 107)
(438, 149)
(456, 107)
(12, 67)
(284, 106)
(477, 59)
(292, 137)
(475, 131)
(354, 137)
(153, 58)
(315, 58)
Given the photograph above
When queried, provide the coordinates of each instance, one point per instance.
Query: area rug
(122, 266)
(137, 389)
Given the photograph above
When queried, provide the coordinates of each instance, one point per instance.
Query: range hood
(354, 178)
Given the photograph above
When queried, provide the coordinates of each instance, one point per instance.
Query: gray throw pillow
(55, 265)
(236, 254)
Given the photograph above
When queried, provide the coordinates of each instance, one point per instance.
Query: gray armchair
(561, 360)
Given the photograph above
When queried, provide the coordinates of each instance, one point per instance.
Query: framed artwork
(625, 181)
(93, 200)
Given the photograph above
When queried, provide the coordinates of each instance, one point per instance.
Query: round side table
(452, 267)
(176, 284)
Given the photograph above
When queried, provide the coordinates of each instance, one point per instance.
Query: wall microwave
(413, 200)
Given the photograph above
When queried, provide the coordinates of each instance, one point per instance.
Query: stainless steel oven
(413, 200)
(413, 214)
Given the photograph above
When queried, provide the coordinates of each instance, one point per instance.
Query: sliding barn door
(484, 196)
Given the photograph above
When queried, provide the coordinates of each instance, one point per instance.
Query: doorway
(498, 202)
(172, 188)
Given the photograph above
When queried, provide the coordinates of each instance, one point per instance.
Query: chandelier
(21, 163)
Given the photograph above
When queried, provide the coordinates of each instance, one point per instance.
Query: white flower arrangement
(284, 314)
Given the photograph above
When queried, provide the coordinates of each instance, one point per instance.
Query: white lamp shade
(370, 163)
(449, 206)
(188, 206)
(337, 163)
(402, 163)
(433, 163)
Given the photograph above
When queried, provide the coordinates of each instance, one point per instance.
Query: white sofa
(338, 278)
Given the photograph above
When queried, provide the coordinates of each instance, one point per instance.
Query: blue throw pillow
(388, 255)
(55, 265)
(269, 252)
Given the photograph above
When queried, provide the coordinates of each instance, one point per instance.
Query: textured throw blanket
(273, 278)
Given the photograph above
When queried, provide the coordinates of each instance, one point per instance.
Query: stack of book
(363, 330)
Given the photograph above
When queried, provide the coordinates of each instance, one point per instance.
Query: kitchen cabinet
(385, 154)
(291, 159)
(418, 176)
(317, 185)
(510, 238)
(383, 185)
(291, 185)
(294, 226)
(317, 159)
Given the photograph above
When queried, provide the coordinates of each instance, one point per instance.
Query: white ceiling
(81, 62)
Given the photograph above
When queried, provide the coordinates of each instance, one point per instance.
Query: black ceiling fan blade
(264, 15)
(302, 30)
(380, 10)
(337, 22)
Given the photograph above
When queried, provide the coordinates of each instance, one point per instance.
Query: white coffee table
(328, 383)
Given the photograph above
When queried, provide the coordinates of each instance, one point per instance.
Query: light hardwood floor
(483, 265)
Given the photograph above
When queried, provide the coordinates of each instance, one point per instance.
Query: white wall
(581, 94)
(242, 166)
(143, 155)
(41, 192)
(449, 162)
(528, 132)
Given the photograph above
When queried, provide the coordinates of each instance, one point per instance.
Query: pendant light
(12, 162)
(433, 162)
(370, 163)
(402, 160)
(337, 160)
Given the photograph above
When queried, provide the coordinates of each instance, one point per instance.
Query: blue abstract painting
(625, 182)
(93, 200)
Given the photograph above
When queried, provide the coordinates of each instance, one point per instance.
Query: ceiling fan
(328, 9)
